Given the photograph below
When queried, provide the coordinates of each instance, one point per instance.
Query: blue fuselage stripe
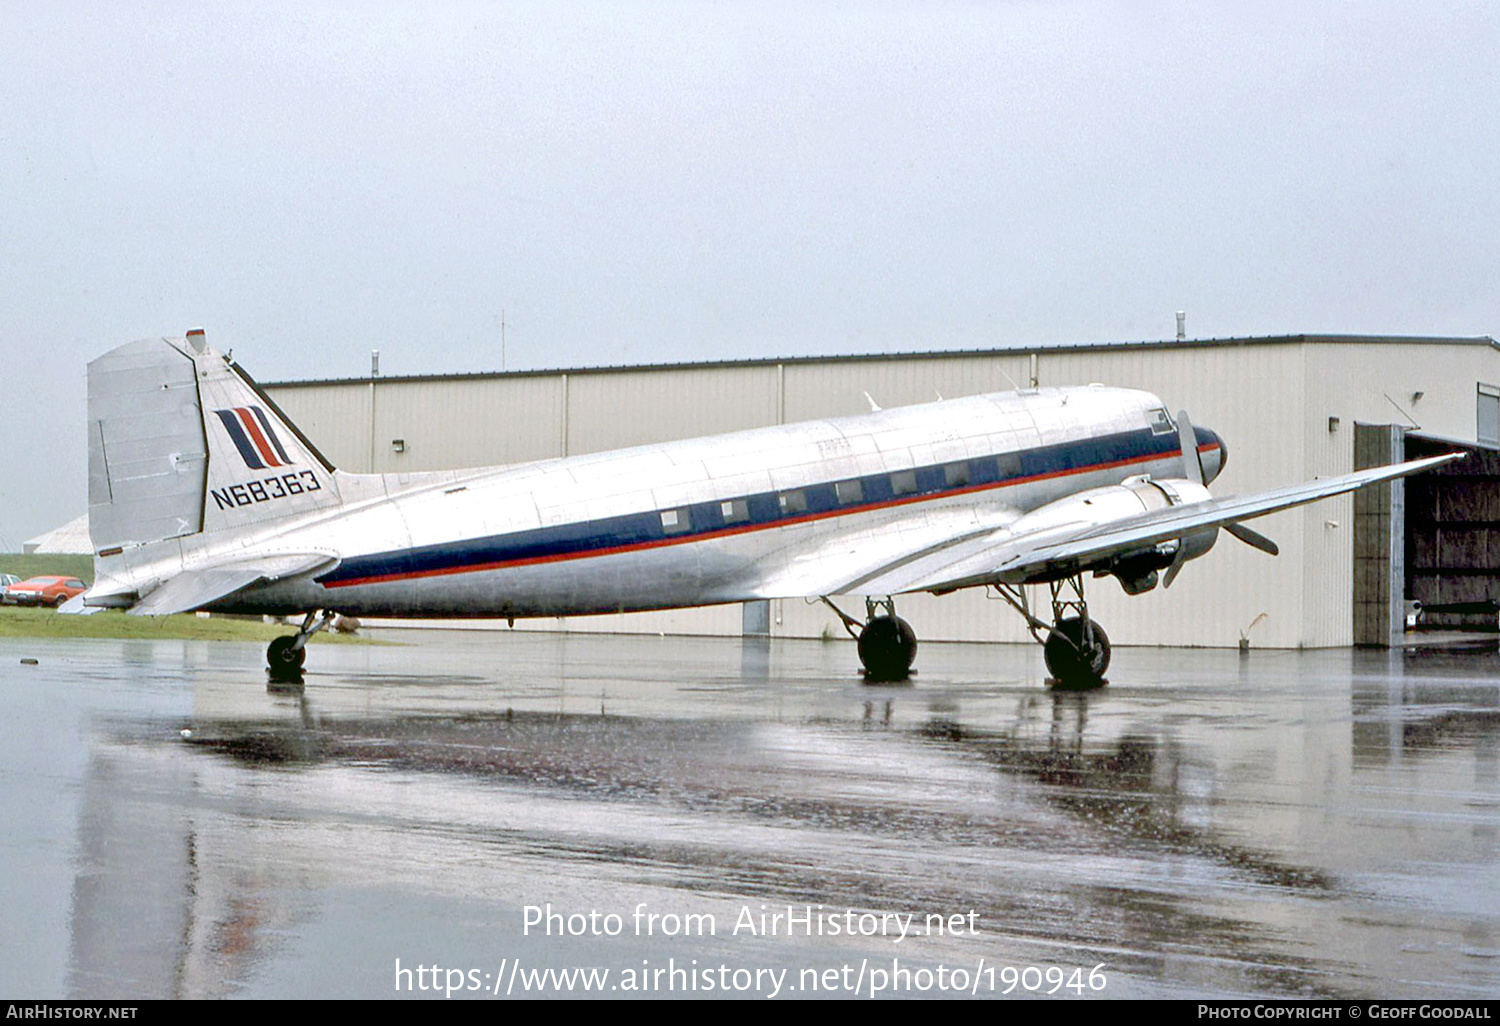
(702, 520)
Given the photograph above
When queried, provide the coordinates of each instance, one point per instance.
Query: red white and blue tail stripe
(253, 436)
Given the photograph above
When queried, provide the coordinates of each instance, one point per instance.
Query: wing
(194, 589)
(1005, 556)
(839, 562)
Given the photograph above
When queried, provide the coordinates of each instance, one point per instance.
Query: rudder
(148, 458)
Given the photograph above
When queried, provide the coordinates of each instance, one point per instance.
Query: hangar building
(1289, 408)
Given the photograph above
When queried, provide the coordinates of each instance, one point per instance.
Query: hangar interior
(1452, 536)
(1290, 408)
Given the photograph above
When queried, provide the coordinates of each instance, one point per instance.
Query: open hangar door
(1432, 539)
(1453, 536)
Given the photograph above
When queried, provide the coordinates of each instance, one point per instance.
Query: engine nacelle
(1097, 507)
(1199, 542)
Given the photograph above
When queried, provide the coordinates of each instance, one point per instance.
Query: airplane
(204, 496)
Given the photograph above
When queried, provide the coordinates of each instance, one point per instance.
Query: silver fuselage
(773, 512)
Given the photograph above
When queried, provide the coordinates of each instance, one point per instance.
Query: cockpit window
(1160, 423)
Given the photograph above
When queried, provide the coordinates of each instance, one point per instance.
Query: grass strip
(18, 622)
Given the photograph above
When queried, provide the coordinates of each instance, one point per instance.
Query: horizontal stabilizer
(75, 607)
(194, 589)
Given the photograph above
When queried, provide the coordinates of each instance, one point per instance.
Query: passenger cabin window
(849, 491)
(735, 511)
(793, 502)
(675, 521)
(1009, 465)
(904, 482)
(1161, 424)
(956, 475)
(1489, 415)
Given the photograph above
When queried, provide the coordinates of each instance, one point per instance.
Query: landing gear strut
(286, 654)
(1075, 647)
(887, 643)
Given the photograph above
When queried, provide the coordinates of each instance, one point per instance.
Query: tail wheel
(283, 658)
(1077, 652)
(887, 648)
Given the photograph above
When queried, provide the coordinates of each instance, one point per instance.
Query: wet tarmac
(1320, 823)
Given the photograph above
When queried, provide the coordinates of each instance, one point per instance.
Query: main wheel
(887, 648)
(282, 659)
(1077, 652)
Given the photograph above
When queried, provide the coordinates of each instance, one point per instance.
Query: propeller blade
(1192, 465)
(1254, 539)
(1192, 470)
(1178, 561)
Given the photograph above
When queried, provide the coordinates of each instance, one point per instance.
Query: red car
(44, 591)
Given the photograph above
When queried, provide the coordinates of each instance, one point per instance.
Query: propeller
(1176, 567)
(1192, 464)
(1192, 470)
(1254, 539)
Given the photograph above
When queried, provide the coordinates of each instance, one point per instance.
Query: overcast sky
(655, 182)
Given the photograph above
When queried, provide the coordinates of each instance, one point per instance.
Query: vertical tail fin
(182, 441)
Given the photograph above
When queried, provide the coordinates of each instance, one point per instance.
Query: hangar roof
(1061, 347)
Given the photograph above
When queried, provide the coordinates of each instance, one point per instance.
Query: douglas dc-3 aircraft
(202, 495)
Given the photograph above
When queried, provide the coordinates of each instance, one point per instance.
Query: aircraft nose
(1217, 455)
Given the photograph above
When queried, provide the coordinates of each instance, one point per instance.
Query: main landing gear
(1075, 647)
(286, 654)
(887, 644)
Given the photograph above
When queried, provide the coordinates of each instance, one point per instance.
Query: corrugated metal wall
(612, 411)
(1271, 400)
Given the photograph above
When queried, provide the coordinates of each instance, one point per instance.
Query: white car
(6, 580)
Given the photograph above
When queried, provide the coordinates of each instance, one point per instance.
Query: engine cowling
(1136, 571)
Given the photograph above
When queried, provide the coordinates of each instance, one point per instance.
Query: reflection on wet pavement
(1291, 824)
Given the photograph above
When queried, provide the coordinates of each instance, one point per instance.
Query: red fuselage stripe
(726, 532)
